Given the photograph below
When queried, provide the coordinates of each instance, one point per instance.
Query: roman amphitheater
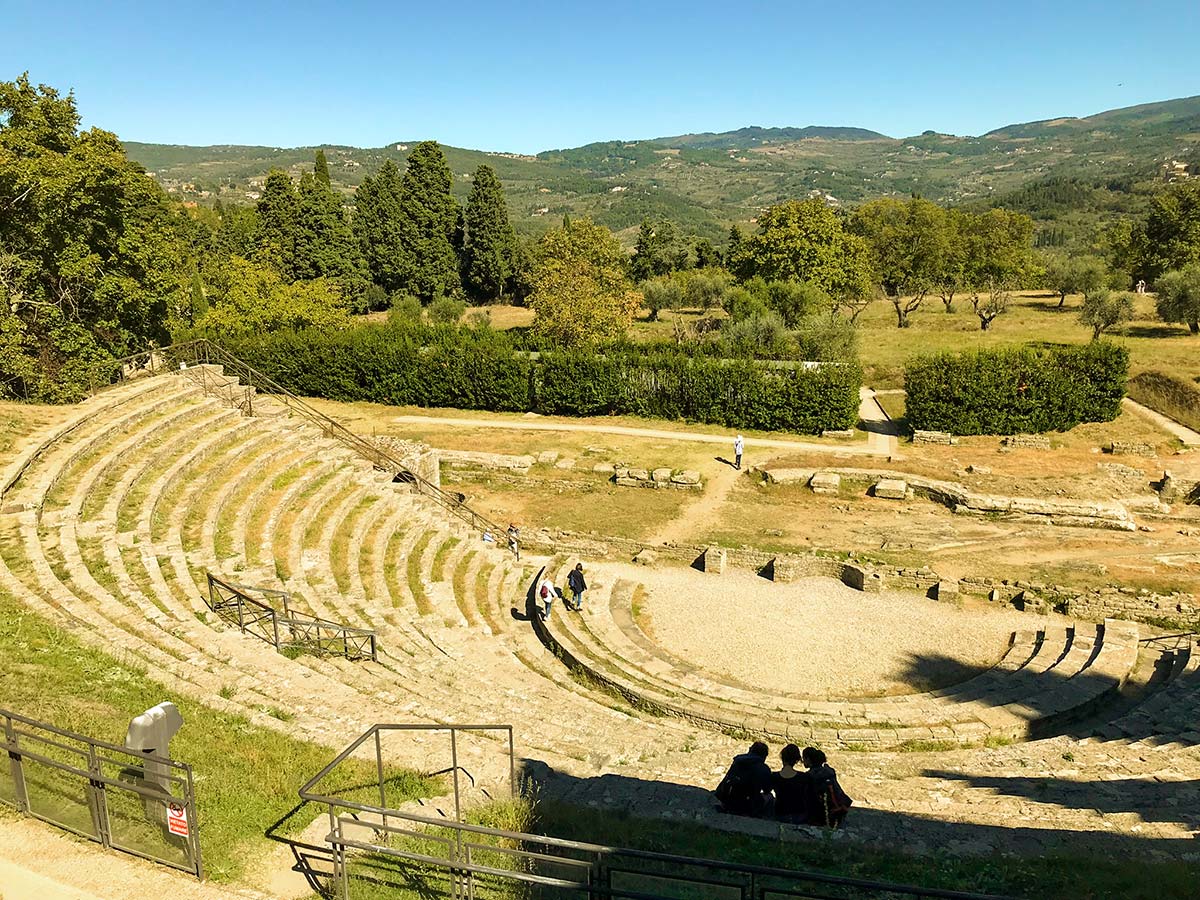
(966, 716)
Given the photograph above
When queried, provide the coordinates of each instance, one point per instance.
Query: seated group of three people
(809, 797)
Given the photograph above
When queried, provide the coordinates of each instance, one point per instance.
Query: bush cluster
(479, 369)
(1017, 390)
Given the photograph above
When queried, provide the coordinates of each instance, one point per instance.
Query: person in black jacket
(793, 788)
(578, 585)
(746, 788)
(829, 802)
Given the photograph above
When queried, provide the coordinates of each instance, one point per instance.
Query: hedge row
(1172, 396)
(468, 370)
(1014, 391)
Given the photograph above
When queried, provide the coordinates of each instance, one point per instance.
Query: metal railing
(177, 357)
(1171, 641)
(376, 848)
(237, 605)
(128, 801)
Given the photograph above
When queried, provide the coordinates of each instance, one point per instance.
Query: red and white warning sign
(177, 822)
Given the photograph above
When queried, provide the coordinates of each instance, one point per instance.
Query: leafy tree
(745, 302)
(257, 299)
(803, 240)
(909, 242)
(760, 335)
(582, 295)
(952, 277)
(658, 250)
(990, 303)
(705, 288)
(663, 292)
(91, 251)
(321, 169)
(1076, 275)
(999, 248)
(376, 225)
(707, 256)
(1172, 230)
(1103, 309)
(1179, 297)
(276, 237)
(488, 241)
(428, 218)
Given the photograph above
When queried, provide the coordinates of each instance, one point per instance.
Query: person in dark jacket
(793, 789)
(829, 802)
(746, 788)
(578, 585)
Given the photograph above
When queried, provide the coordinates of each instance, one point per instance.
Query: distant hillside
(1071, 174)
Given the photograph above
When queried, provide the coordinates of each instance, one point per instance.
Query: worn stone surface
(838, 433)
(1027, 441)
(787, 476)
(604, 468)
(646, 558)
(946, 590)
(714, 560)
(661, 475)
(689, 476)
(1132, 448)
(825, 482)
(547, 457)
(891, 488)
(933, 437)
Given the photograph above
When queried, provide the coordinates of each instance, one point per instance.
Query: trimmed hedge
(1172, 396)
(1016, 391)
(470, 369)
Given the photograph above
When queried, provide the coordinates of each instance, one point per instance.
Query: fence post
(194, 830)
(20, 794)
(97, 801)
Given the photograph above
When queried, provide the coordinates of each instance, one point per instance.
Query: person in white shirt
(739, 444)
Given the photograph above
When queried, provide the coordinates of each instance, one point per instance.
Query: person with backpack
(578, 585)
(829, 803)
(546, 593)
(746, 788)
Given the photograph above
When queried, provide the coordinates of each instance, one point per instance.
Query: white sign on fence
(177, 822)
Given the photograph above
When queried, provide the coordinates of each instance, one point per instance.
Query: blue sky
(533, 76)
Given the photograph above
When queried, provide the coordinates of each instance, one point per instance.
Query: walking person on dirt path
(577, 584)
(739, 444)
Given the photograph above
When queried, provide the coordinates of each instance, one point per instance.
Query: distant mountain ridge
(1071, 173)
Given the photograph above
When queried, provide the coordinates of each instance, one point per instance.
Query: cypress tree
(377, 228)
(428, 217)
(488, 244)
(321, 169)
(275, 241)
(325, 245)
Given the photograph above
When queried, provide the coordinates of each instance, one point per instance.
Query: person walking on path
(546, 592)
(578, 585)
(739, 444)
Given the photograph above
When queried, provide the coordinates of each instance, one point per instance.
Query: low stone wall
(627, 476)
(1026, 441)
(478, 459)
(417, 457)
(933, 437)
(955, 496)
(872, 576)
(1133, 448)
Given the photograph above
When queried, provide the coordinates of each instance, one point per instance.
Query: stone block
(1133, 448)
(787, 476)
(891, 488)
(634, 482)
(646, 558)
(946, 591)
(604, 468)
(638, 474)
(714, 561)
(565, 464)
(825, 482)
(1027, 441)
(661, 476)
(838, 433)
(687, 477)
(548, 457)
(933, 437)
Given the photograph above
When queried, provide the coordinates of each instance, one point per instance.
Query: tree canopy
(489, 244)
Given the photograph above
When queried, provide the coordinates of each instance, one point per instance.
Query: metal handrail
(302, 629)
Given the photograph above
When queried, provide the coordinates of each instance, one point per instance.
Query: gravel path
(816, 636)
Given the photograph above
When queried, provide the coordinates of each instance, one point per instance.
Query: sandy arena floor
(817, 636)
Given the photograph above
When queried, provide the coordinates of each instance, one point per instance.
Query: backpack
(835, 801)
(545, 592)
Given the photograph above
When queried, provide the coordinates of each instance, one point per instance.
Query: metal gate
(129, 801)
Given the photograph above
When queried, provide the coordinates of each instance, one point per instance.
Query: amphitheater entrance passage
(439, 850)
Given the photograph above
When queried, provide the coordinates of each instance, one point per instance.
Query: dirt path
(1190, 438)
(869, 449)
(39, 863)
(704, 511)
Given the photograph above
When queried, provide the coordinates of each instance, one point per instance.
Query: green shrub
(481, 369)
(1016, 390)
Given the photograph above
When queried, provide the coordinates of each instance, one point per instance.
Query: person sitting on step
(746, 788)
(793, 788)
(829, 802)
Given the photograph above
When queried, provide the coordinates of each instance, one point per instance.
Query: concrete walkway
(1190, 438)
(882, 432)
(871, 448)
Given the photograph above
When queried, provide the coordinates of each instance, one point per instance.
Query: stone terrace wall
(872, 576)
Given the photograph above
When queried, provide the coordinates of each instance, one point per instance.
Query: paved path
(869, 449)
(882, 432)
(1190, 438)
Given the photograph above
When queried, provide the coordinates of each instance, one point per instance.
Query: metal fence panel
(61, 798)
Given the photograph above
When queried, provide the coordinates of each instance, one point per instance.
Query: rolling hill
(708, 181)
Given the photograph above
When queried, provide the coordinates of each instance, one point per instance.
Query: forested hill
(1069, 173)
